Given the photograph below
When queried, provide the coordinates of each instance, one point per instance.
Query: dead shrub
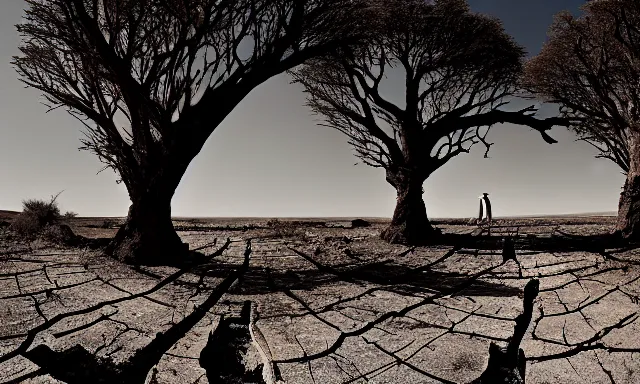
(41, 219)
(44, 212)
(57, 233)
(26, 226)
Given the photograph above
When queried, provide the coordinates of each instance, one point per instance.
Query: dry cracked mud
(335, 304)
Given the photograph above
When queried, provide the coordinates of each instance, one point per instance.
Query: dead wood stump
(508, 365)
(230, 356)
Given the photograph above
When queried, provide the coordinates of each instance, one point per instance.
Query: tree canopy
(152, 79)
(590, 66)
(459, 69)
(143, 76)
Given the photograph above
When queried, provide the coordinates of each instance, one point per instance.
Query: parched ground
(335, 304)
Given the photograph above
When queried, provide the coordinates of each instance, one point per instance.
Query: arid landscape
(213, 108)
(334, 304)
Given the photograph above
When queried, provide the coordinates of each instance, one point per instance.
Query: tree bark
(409, 224)
(147, 236)
(628, 223)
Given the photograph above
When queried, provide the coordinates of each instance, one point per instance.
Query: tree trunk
(409, 224)
(148, 237)
(628, 223)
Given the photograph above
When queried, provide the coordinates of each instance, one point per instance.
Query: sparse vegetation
(40, 218)
(57, 233)
(35, 215)
(25, 225)
(44, 212)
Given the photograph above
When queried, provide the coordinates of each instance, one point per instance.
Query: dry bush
(44, 212)
(57, 233)
(25, 225)
(40, 218)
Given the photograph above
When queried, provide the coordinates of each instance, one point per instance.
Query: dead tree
(589, 66)
(458, 68)
(152, 79)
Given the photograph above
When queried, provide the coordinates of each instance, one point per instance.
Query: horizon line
(576, 214)
(571, 214)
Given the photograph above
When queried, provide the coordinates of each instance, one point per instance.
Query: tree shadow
(185, 259)
(77, 365)
(404, 279)
(560, 242)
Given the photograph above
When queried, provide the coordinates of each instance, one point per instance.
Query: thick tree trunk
(628, 223)
(148, 237)
(409, 224)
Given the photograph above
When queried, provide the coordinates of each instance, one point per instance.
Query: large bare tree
(152, 79)
(459, 69)
(591, 66)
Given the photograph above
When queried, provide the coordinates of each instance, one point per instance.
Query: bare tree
(590, 66)
(152, 79)
(459, 67)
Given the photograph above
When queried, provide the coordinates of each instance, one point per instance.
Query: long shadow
(189, 257)
(399, 277)
(78, 366)
(562, 242)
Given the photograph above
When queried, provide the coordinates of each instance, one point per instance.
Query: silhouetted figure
(482, 218)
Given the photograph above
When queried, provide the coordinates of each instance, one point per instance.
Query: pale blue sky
(269, 158)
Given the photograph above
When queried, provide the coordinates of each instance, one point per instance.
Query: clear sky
(268, 158)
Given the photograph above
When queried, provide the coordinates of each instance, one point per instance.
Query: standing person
(484, 200)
